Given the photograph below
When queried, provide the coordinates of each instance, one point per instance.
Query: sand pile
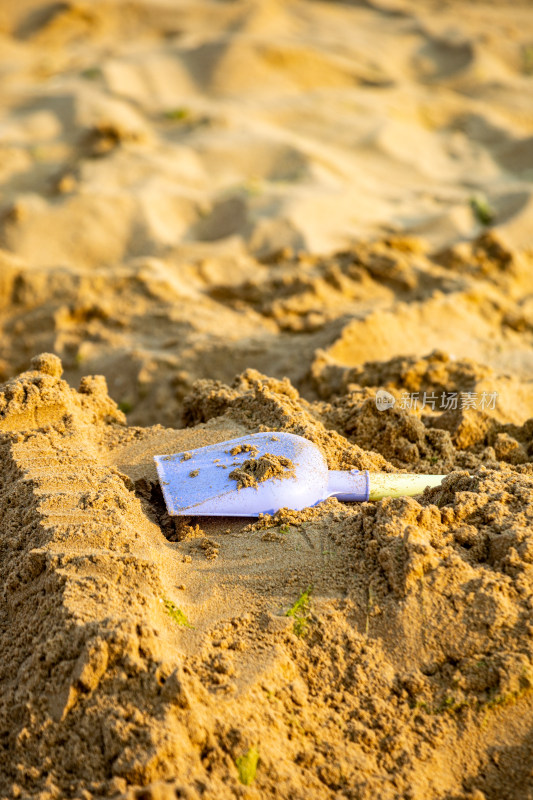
(128, 663)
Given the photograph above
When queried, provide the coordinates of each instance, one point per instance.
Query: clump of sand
(244, 448)
(263, 403)
(254, 471)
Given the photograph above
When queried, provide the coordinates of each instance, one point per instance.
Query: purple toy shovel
(263, 472)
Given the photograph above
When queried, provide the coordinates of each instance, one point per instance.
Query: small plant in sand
(125, 406)
(247, 766)
(253, 186)
(482, 210)
(300, 612)
(92, 73)
(39, 153)
(450, 705)
(527, 59)
(175, 613)
(179, 114)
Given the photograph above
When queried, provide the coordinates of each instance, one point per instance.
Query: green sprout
(450, 704)
(247, 766)
(482, 210)
(179, 114)
(300, 613)
(176, 613)
(125, 406)
(39, 153)
(284, 528)
(253, 186)
(527, 59)
(92, 73)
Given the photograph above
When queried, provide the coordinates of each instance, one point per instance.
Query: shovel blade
(197, 482)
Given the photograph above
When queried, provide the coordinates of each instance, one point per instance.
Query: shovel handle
(360, 485)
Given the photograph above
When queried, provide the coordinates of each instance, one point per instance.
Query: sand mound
(135, 660)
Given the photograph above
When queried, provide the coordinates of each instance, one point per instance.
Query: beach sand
(219, 218)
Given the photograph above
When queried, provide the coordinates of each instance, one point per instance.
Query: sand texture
(221, 217)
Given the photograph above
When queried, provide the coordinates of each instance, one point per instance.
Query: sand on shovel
(258, 469)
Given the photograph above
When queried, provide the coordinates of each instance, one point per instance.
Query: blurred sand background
(159, 160)
(245, 215)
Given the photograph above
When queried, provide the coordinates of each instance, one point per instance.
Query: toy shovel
(263, 472)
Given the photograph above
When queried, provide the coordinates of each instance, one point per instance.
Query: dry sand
(226, 217)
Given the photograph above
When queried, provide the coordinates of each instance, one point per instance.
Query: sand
(220, 218)
(255, 470)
